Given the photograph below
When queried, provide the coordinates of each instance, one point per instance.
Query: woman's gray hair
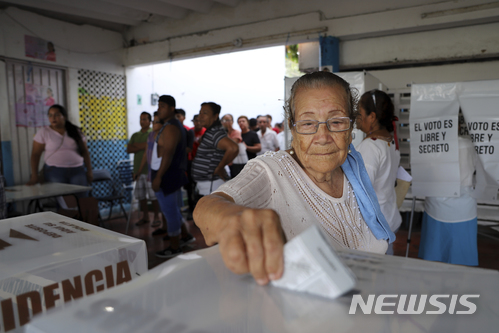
(317, 80)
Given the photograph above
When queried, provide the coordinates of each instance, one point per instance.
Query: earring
(291, 152)
(349, 151)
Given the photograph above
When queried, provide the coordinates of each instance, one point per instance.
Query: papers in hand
(311, 265)
(403, 175)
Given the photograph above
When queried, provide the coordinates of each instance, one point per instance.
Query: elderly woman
(321, 180)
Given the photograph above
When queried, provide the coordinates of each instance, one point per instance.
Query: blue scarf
(356, 173)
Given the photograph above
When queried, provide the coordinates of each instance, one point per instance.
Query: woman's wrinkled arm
(250, 240)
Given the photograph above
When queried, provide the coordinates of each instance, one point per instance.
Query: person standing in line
(253, 125)
(215, 151)
(180, 115)
(227, 123)
(197, 132)
(380, 152)
(146, 160)
(250, 138)
(280, 136)
(269, 124)
(241, 159)
(268, 138)
(143, 190)
(157, 124)
(168, 171)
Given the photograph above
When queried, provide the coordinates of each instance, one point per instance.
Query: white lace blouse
(276, 181)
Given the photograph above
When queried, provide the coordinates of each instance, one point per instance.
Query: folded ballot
(311, 265)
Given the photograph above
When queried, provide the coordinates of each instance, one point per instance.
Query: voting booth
(361, 81)
(48, 261)
(434, 137)
(196, 293)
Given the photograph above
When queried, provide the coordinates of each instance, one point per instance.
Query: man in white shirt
(268, 138)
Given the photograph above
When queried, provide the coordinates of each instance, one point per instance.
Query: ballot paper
(312, 266)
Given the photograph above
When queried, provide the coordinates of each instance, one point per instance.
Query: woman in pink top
(65, 150)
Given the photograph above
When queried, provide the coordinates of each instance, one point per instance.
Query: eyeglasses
(337, 124)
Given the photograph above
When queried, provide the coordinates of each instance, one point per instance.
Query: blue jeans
(75, 176)
(169, 205)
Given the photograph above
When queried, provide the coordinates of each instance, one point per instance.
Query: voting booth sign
(434, 149)
(434, 130)
(479, 103)
(48, 261)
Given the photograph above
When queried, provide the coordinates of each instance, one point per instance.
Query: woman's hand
(253, 242)
(90, 177)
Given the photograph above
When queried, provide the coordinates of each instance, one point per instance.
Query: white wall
(400, 78)
(77, 47)
(454, 43)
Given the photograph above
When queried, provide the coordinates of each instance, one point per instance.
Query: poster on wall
(480, 106)
(31, 111)
(434, 145)
(38, 48)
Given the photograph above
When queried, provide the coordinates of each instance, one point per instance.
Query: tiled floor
(488, 240)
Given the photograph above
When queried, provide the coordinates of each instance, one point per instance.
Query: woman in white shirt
(320, 181)
(380, 152)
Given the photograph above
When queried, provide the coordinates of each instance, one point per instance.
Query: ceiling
(117, 15)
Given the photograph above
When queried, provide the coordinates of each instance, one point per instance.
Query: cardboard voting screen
(48, 260)
(434, 145)
(479, 102)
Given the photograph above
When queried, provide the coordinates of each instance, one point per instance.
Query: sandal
(142, 222)
(156, 223)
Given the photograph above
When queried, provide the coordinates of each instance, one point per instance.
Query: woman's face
(363, 121)
(227, 122)
(156, 124)
(56, 118)
(323, 151)
(206, 116)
